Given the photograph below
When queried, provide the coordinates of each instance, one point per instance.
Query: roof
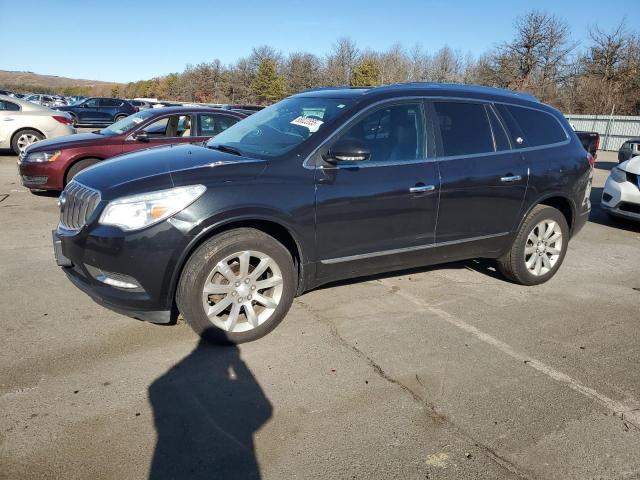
(192, 108)
(422, 88)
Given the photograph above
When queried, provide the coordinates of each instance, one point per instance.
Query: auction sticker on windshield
(312, 124)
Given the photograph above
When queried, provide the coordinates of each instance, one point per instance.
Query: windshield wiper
(226, 149)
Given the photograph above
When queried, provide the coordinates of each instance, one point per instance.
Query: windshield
(281, 127)
(126, 124)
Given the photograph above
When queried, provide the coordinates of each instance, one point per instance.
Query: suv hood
(165, 167)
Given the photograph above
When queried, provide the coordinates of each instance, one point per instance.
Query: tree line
(542, 58)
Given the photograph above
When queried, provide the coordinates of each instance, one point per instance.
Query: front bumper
(621, 199)
(42, 176)
(145, 261)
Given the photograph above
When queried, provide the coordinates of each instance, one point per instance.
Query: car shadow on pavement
(599, 216)
(207, 408)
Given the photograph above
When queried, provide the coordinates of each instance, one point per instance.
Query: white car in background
(621, 194)
(23, 123)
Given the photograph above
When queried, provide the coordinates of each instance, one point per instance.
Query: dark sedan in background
(51, 164)
(99, 111)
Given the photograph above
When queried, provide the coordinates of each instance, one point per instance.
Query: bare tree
(340, 62)
(303, 71)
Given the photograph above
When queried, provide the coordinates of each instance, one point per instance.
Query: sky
(124, 41)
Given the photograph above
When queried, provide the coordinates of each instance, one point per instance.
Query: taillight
(136, 109)
(65, 120)
(592, 161)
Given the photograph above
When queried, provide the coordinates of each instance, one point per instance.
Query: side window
(109, 102)
(170, 127)
(8, 106)
(499, 135)
(211, 125)
(539, 128)
(93, 103)
(464, 128)
(392, 134)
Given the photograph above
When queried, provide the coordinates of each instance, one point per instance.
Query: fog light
(116, 283)
(118, 280)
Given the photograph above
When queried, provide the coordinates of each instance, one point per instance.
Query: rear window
(464, 128)
(5, 105)
(539, 128)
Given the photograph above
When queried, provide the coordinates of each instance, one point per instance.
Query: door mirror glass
(348, 150)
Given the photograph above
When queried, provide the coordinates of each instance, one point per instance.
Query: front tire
(77, 167)
(23, 138)
(237, 286)
(539, 248)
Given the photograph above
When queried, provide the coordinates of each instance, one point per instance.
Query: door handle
(422, 188)
(8, 119)
(511, 179)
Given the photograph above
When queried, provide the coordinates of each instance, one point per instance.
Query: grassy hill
(34, 82)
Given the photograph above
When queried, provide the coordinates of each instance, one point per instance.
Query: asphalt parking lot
(443, 372)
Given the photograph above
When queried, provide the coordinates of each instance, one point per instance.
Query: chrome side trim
(363, 256)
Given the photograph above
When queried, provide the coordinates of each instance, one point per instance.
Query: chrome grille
(77, 203)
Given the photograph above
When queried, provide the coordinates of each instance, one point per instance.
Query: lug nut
(249, 297)
(240, 300)
(246, 280)
(253, 287)
(237, 284)
(234, 293)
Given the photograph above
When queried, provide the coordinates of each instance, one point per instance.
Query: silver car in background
(23, 123)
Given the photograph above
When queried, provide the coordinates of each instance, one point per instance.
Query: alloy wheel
(25, 140)
(543, 247)
(242, 291)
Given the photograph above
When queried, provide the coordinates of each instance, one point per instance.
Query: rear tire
(23, 138)
(119, 117)
(77, 167)
(539, 248)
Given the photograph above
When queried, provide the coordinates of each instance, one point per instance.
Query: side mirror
(348, 150)
(141, 136)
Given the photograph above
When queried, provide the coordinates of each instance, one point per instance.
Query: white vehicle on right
(621, 194)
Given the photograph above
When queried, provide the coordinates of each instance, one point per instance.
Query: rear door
(211, 124)
(370, 211)
(108, 109)
(484, 179)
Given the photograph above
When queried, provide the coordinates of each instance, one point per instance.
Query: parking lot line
(628, 412)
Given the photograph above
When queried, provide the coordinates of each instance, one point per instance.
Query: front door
(371, 211)
(483, 178)
(89, 111)
(164, 130)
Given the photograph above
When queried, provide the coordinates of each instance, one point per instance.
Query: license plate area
(61, 260)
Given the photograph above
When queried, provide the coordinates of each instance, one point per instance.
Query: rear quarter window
(539, 128)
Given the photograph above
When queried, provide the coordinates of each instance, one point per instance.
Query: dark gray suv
(325, 185)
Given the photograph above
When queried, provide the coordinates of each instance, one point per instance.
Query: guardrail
(614, 130)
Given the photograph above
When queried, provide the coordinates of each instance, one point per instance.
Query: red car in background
(51, 164)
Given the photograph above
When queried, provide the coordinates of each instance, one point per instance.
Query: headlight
(618, 175)
(139, 211)
(42, 157)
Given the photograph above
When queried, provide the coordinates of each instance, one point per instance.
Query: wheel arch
(559, 201)
(268, 226)
(75, 161)
(20, 129)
